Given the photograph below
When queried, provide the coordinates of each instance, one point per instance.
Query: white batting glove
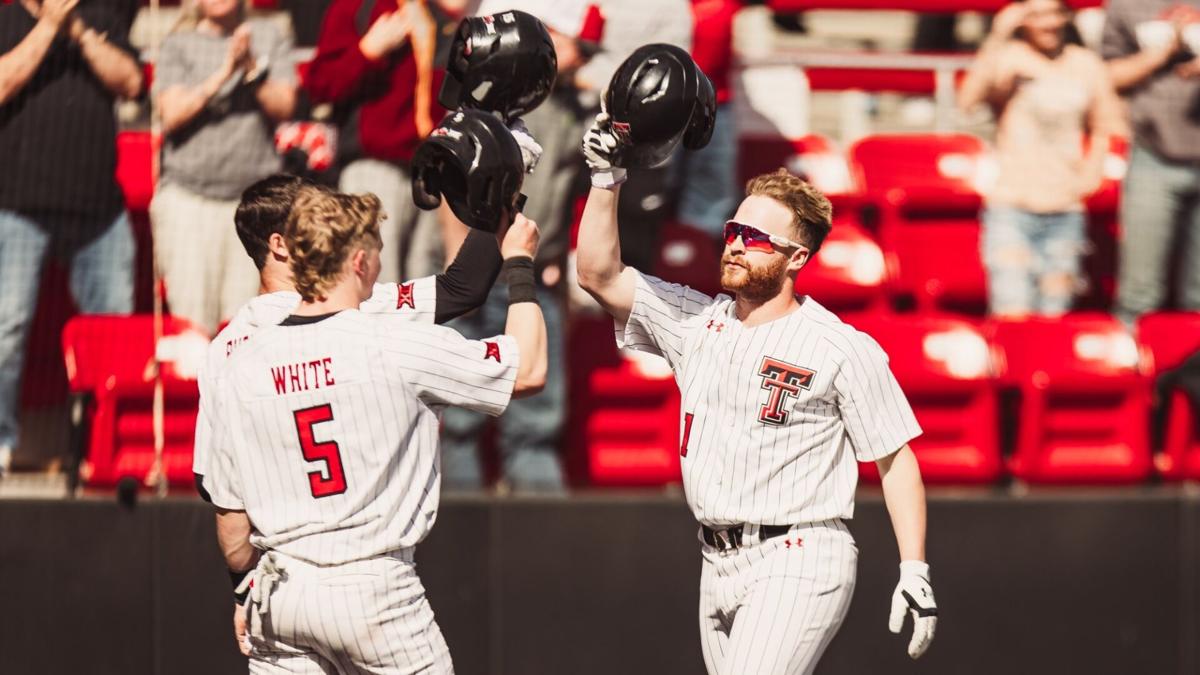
(914, 595)
(531, 150)
(599, 149)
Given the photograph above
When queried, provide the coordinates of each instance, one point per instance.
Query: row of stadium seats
(1045, 401)
(1064, 401)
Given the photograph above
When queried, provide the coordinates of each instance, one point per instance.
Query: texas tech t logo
(783, 381)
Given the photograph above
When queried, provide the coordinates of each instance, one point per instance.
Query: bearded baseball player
(324, 462)
(780, 401)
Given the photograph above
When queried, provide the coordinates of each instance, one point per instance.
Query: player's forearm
(465, 284)
(233, 536)
(21, 62)
(904, 494)
(527, 327)
(598, 253)
(116, 70)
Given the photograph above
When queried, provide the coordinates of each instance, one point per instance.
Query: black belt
(731, 537)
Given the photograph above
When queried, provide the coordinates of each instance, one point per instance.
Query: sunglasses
(755, 239)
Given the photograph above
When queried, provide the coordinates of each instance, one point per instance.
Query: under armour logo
(493, 351)
(404, 297)
(715, 326)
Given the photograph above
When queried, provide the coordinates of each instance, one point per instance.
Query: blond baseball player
(780, 402)
(324, 463)
(260, 220)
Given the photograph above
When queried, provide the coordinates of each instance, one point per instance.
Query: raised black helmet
(473, 162)
(504, 63)
(657, 98)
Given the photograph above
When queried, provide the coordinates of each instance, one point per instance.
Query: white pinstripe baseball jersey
(774, 416)
(415, 300)
(326, 433)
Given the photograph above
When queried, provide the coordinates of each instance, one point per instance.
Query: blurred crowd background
(1016, 190)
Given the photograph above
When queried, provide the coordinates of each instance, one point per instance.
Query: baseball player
(260, 219)
(324, 463)
(780, 400)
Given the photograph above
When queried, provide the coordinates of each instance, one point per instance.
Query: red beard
(754, 283)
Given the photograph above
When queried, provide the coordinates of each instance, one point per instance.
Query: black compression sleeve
(464, 285)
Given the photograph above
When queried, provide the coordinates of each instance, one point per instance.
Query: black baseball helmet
(504, 63)
(472, 160)
(658, 97)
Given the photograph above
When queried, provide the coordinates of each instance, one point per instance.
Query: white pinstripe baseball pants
(772, 608)
(369, 616)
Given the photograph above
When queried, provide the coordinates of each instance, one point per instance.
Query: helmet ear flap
(704, 113)
(426, 188)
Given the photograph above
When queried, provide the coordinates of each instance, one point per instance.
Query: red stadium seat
(925, 188)
(625, 422)
(110, 373)
(814, 158)
(949, 374)
(848, 273)
(1172, 338)
(1084, 397)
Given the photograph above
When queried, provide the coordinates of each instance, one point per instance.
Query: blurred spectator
(1045, 91)
(60, 72)
(374, 62)
(707, 178)
(221, 84)
(1153, 53)
(530, 430)
(645, 199)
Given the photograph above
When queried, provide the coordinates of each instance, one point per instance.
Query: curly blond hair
(323, 229)
(811, 212)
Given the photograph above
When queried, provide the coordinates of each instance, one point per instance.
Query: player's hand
(600, 146)
(914, 595)
(531, 150)
(239, 629)
(56, 12)
(388, 32)
(521, 240)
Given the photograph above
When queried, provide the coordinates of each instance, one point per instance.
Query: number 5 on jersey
(331, 481)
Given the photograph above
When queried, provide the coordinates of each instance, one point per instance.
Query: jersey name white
(414, 300)
(776, 416)
(338, 462)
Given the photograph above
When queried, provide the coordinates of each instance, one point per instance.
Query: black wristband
(519, 274)
(236, 579)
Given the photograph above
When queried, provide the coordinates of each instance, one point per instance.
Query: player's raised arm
(525, 323)
(598, 254)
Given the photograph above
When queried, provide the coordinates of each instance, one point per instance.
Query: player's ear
(798, 259)
(277, 246)
(358, 262)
